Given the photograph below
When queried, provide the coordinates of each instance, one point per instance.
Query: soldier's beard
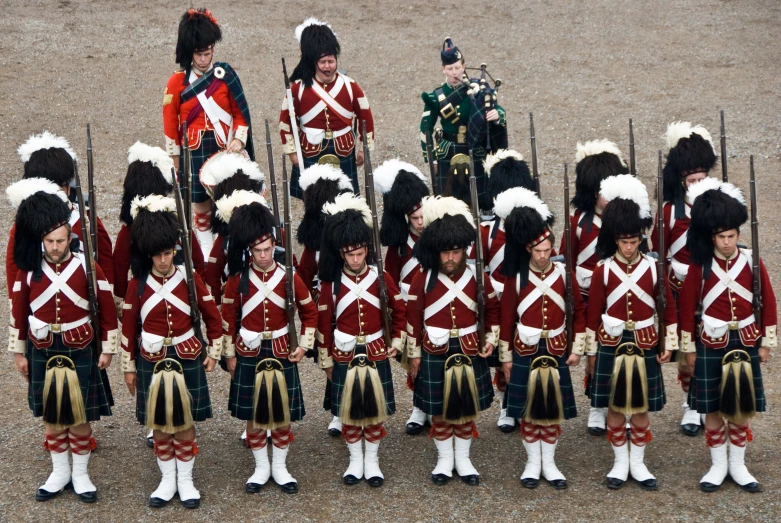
(449, 268)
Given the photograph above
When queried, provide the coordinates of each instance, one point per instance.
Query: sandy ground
(583, 68)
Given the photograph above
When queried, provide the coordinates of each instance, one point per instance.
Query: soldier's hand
(235, 146)
(590, 361)
(691, 357)
(104, 361)
(764, 354)
(507, 367)
(293, 158)
(209, 364)
(22, 366)
(487, 350)
(359, 158)
(573, 360)
(297, 355)
(414, 367)
(329, 372)
(230, 364)
(664, 358)
(492, 115)
(130, 382)
(392, 352)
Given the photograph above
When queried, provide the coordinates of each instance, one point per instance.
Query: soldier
(403, 188)
(351, 336)
(51, 333)
(208, 97)
(733, 342)
(165, 370)
(533, 341)
(621, 330)
(327, 104)
(691, 156)
(265, 390)
(454, 106)
(449, 369)
(595, 161)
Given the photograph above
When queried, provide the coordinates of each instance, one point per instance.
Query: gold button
(170, 323)
(629, 294)
(734, 300)
(362, 324)
(544, 309)
(629, 302)
(630, 313)
(265, 301)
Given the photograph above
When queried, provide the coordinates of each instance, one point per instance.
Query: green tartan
(430, 382)
(346, 164)
(517, 389)
(707, 369)
(194, 377)
(340, 373)
(198, 157)
(95, 400)
(603, 375)
(242, 388)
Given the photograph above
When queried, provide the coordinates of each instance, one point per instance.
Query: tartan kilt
(327, 395)
(443, 166)
(242, 388)
(96, 402)
(517, 389)
(194, 377)
(430, 382)
(603, 374)
(707, 369)
(346, 164)
(198, 157)
(340, 374)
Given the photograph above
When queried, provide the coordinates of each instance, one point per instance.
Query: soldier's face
(453, 72)
(416, 221)
(56, 244)
(263, 254)
(355, 259)
(627, 247)
(202, 59)
(325, 69)
(726, 242)
(693, 178)
(540, 254)
(451, 261)
(601, 202)
(163, 261)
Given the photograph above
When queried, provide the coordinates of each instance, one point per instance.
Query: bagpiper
(621, 329)
(448, 367)
(533, 346)
(689, 159)
(733, 341)
(327, 104)
(595, 161)
(351, 337)
(161, 351)
(265, 388)
(51, 333)
(208, 97)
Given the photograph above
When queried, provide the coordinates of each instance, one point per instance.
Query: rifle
(89, 265)
(757, 282)
(289, 275)
(430, 157)
(535, 173)
(186, 178)
(661, 296)
(632, 165)
(479, 267)
(570, 311)
(273, 178)
(93, 205)
(293, 123)
(372, 200)
(723, 141)
(184, 238)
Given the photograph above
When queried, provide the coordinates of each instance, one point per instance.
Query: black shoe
(88, 497)
(709, 487)
(530, 482)
(440, 479)
(45, 495)
(472, 480)
(507, 428)
(751, 487)
(150, 442)
(375, 481)
(649, 484)
(413, 429)
(596, 431)
(191, 503)
(349, 479)
(157, 502)
(690, 429)
(558, 484)
(615, 483)
(334, 433)
(289, 488)
(253, 488)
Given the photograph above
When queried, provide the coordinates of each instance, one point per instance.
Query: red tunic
(307, 270)
(581, 239)
(216, 269)
(492, 236)
(678, 262)
(397, 263)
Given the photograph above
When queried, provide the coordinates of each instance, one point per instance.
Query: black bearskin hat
(198, 30)
(48, 156)
(320, 183)
(155, 229)
(527, 222)
(402, 187)
(690, 151)
(316, 40)
(348, 226)
(595, 161)
(506, 169)
(448, 225)
(148, 172)
(41, 208)
(224, 173)
(450, 53)
(627, 214)
(716, 206)
(250, 222)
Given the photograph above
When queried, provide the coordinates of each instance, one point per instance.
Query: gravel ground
(583, 69)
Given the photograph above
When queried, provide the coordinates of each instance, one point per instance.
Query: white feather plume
(597, 147)
(152, 203)
(141, 152)
(386, 173)
(506, 201)
(713, 184)
(307, 23)
(498, 156)
(224, 165)
(627, 187)
(678, 130)
(45, 140)
(436, 207)
(347, 201)
(322, 171)
(19, 191)
(227, 204)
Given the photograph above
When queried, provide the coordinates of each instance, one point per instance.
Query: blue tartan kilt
(340, 374)
(242, 388)
(708, 369)
(96, 402)
(603, 375)
(430, 382)
(346, 163)
(517, 389)
(198, 157)
(194, 377)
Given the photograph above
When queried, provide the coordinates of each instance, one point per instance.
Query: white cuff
(128, 365)
(241, 134)
(579, 344)
(16, 345)
(591, 343)
(769, 340)
(324, 360)
(110, 345)
(493, 336)
(228, 348)
(687, 343)
(307, 340)
(171, 147)
(505, 354)
(671, 337)
(215, 349)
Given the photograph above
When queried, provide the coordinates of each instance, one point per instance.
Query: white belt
(583, 276)
(715, 328)
(347, 342)
(497, 285)
(439, 336)
(615, 327)
(41, 329)
(315, 136)
(532, 335)
(154, 343)
(404, 288)
(679, 269)
(253, 339)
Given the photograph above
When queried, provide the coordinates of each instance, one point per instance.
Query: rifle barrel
(289, 275)
(272, 177)
(535, 172)
(757, 281)
(723, 143)
(479, 260)
(632, 160)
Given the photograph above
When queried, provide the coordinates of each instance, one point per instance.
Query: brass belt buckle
(361, 340)
(733, 325)
(454, 333)
(267, 335)
(544, 335)
(55, 327)
(168, 342)
(447, 111)
(329, 134)
(629, 325)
